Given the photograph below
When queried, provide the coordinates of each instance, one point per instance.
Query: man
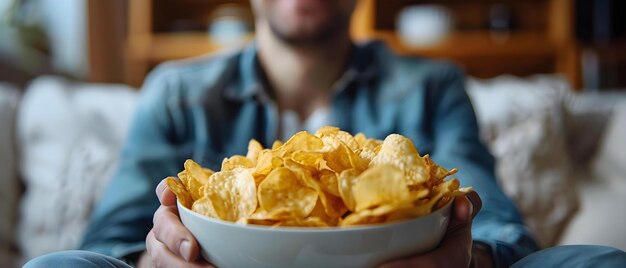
(301, 72)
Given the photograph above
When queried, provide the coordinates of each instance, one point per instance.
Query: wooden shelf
(173, 46)
(475, 43)
(542, 40)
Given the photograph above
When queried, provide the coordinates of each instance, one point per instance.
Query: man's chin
(306, 35)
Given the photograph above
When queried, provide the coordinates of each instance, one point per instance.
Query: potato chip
(370, 149)
(237, 161)
(205, 207)
(302, 222)
(277, 144)
(399, 151)
(301, 141)
(340, 157)
(346, 182)
(379, 185)
(330, 178)
(436, 172)
(328, 182)
(180, 191)
(208, 172)
(232, 193)
(309, 159)
(333, 207)
(194, 178)
(267, 162)
(338, 134)
(254, 147)
(360, 138)
(282, 191)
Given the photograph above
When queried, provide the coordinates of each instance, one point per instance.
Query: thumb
(459, 233)
(458, 238)
(165, 195)
(466, 207)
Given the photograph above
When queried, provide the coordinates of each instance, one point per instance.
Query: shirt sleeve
(457, 144)
(123, 217)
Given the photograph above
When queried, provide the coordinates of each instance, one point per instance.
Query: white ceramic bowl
(227, 244)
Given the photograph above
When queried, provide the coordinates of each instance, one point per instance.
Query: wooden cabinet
(162, 30)
(541, 41)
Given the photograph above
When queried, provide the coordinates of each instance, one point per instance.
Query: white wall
(66, 23)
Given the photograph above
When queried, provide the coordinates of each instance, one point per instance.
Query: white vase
(423, 25)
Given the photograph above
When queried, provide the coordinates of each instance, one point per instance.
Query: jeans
(561, 256)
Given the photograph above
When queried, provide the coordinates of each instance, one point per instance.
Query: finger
(169, 230)
(457, 241)
(477, 203)
(465, 209)
(453, 251)
(166, 197)
(161, 256)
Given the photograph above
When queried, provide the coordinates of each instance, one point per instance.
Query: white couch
(560, 156)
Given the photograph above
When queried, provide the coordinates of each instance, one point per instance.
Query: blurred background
(547, 79)
(120, 40)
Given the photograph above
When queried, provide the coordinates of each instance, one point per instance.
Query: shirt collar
(361, 68)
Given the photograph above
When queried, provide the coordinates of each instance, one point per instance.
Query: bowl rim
(299, 229)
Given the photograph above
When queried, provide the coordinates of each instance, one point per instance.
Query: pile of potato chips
(329, 178)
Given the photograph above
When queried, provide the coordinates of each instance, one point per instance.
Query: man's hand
(455, 250)
(169, 243)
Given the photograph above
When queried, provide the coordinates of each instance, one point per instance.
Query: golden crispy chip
(399, 151)
(179, 190)
(328, 182)
(327, 179)
(208, 172)
(370, 149)
(276, 144)
(276, 215)
(319, 211)
(237, 161)
(332, 206)
(267, 161)
(419, 193)
(360, 218)
(282, 191)
(194, 178)
(302, 222)
(338, 134)
(339, 157)
(360, 138)
(254, 147)
(205, 207)
(301, 141)
(309, 159)
(436, 172)
(345, 184)
(233, 194)
(380, 185)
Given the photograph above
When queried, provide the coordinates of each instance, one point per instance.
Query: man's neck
(302, 76)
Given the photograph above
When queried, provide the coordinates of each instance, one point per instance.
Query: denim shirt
(209, 108)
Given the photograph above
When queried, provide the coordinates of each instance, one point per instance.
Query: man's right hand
(169, 243)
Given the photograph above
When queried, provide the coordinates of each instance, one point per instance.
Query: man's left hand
(455, 249)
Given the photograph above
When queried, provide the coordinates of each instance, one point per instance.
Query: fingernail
(471, 209)
(185, 250)
(161, 187)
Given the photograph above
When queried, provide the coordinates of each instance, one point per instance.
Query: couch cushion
(9, 183)
(602, 220)
(522, 122)
(70, 135)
